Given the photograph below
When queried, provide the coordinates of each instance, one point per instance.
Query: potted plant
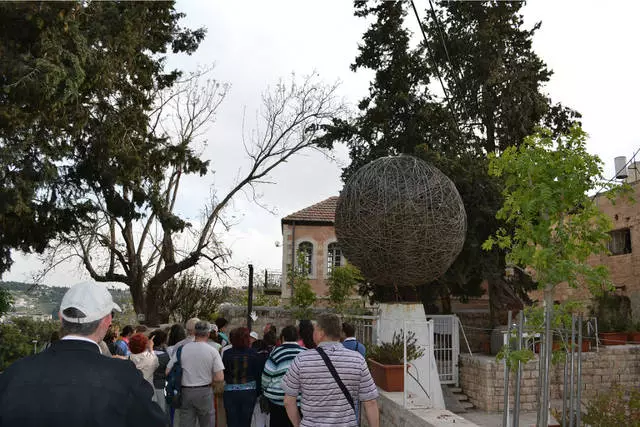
(614, 315)
(386, 361)
(634, 336)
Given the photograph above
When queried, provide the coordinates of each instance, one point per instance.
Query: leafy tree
(16, 338)
(6, 301)
(342, 282)
(556, 224)
(495, 100)
(79, 80)
(303, 296)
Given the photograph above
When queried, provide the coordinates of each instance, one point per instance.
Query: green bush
(616, 407)
(392, 353)
(16, 338)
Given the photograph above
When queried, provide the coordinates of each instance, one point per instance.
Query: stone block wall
(482, 377)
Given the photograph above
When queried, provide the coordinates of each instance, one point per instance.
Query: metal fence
(365, 326)
(446, 347)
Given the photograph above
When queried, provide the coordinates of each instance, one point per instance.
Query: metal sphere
(401, 221)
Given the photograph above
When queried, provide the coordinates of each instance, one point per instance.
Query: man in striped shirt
(322, 400)
(274, 369)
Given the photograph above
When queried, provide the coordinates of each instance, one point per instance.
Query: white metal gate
(446, 346)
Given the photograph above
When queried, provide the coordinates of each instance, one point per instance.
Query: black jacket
(72, 385)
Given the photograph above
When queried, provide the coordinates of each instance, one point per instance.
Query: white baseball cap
(254, 335)
(91, 298)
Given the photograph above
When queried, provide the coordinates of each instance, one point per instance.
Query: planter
(554, 347)
(634, 337)
(586, 346)
(613, 338)
(387, 377)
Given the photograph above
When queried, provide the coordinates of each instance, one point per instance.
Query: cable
(455, 75)
(435, 65)
(616, 174)
(417, 380)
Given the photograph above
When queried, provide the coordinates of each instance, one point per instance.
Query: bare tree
(148, 250)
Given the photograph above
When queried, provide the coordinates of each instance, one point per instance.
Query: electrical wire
(616, 174)
(454, 74)
(437, 70)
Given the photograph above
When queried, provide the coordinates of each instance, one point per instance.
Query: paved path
(486, 419)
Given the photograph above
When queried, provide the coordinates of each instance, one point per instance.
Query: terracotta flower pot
(387, 377)
(634, 337)
(554, 347)
(613, 338)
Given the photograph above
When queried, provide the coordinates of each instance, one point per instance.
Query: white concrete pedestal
(411, 317)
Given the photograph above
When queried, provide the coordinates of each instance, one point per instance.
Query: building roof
(323, 212)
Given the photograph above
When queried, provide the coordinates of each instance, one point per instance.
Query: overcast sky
(590, 47)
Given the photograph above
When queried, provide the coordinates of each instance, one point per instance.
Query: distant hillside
(35, 299)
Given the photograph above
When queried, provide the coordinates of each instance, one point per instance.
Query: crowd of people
(308, 375)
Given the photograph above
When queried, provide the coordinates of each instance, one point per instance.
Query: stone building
(624, 260)
(311, 231)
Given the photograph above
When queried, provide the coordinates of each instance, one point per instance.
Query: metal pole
(505, 415)
(579, 393)
(564, 394)
(250, 297)
(548, 344)
(266, 278)
(516, 403)
(540, 371)
(573, 342)
(404, 363)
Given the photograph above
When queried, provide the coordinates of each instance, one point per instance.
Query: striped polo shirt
(322, 401)
(277, 365)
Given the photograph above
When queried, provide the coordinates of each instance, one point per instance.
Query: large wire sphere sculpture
(401, 221)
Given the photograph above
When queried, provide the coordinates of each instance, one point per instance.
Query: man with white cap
(71, 384)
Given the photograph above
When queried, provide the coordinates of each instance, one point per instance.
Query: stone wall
(393, 414)
(279, 316)
(482, 377)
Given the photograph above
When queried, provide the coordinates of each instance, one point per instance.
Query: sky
(589, 46)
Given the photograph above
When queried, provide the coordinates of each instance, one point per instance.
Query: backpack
(173, 389)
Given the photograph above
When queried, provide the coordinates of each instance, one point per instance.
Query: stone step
(462, 397)
(466, 405)
(455, 389)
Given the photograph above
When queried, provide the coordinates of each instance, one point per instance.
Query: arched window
(334, 257)
(306, 248)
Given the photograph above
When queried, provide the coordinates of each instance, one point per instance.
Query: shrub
(392, 353)
(616, 407)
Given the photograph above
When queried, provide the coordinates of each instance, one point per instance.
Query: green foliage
(342, 282)
(556, 224)
(392, 353)
(190, 295)
(79, 81)
(303, 296)
(617, 406)
(6, 301)
(613, 312)
(495, 79)
(16, 338)
(512, 356)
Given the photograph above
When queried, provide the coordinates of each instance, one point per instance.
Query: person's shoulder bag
(336, 377)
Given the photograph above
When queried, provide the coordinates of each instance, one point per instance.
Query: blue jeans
(239, 405)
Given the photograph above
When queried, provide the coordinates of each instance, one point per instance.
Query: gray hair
(202, 328)
(81, 329)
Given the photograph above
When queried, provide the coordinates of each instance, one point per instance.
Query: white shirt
(81, 338)
(147, 363)
(200, 362)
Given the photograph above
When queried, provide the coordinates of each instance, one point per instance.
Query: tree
(342, 282)
(6, 301)
(556, 224)
(303, 296)
(119, 243)
(485, 79)
(189, 295)
(79, 80)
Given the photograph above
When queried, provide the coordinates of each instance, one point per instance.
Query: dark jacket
(160, 376)
(72, 385)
